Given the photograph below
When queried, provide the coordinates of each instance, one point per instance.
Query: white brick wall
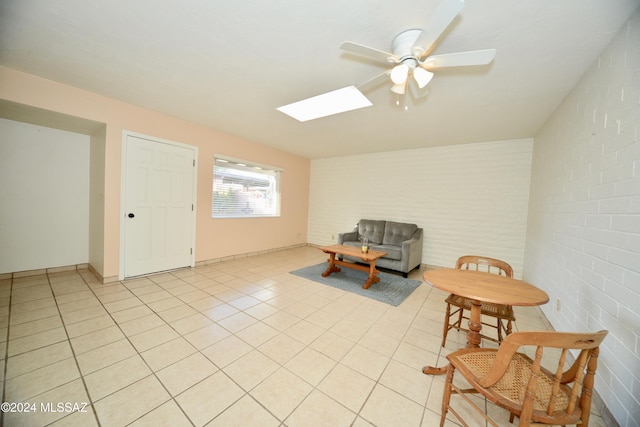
(470, 199)
(583, 238)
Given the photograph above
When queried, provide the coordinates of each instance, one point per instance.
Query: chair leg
(459, 322)
(446, 325)
(587, 387)
(446, 394)
(507, 330)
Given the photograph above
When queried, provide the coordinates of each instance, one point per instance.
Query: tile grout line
(73, 352)
(6, 360)
(6, 351)
(315, 387)
(440, 349)
(181, 335)
(376, 382)
(221, 369)
(172, 398)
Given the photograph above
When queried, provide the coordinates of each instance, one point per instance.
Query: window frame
(251, 171)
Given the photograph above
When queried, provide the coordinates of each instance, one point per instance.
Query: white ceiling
(229, 64)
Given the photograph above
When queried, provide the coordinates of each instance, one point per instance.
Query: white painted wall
(44, 197)
(583, 238)
(470, 199)
(96, 199)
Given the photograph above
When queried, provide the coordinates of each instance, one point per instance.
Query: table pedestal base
(473, 337)
(432, 370)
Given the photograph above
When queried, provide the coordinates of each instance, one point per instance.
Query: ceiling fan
(413, 66)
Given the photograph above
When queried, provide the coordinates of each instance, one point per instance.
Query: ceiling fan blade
(442, 17)
(370, 52)
(374, 81)
(460, 59)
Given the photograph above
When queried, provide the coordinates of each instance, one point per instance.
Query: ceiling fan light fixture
(399, 73)
(399, 88)
(422, 76)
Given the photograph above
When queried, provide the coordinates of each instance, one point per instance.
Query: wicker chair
(521, 385)
(497, 311)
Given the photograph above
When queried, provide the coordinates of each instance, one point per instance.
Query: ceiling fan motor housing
(402, 45)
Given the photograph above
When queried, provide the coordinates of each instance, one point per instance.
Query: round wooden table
(481, 287)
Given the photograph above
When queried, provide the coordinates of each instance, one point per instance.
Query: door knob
(131, 215)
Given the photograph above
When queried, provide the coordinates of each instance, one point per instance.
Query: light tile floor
(236, 343)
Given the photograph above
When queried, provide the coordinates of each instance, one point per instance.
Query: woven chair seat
(486, 308)
(512, 386)
(509, 392)
(514, 381)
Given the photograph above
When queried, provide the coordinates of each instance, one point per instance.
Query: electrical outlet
(558, 304)
(333, 237)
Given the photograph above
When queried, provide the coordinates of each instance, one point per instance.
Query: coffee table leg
(373, 275)
(475, 326)
(332, 265)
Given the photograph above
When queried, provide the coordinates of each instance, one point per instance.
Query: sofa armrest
(351, 236)
(412, 251)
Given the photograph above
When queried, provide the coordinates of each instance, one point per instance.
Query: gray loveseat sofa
(401, 241)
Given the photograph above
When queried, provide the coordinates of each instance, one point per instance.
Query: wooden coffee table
(368, 257)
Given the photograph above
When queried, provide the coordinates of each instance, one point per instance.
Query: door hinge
(192, 207)
(194, 162)
(191, 252)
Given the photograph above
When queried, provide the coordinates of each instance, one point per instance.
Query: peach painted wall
(214, 238)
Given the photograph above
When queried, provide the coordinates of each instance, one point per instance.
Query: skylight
(334, 102)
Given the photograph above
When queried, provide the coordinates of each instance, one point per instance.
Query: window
(243, 189)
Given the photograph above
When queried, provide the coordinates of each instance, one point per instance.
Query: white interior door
(159, 205)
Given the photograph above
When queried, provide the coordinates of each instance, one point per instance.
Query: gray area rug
(391, 289)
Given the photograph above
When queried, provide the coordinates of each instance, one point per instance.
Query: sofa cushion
(371, 229)
(393, 251)
(397, 232)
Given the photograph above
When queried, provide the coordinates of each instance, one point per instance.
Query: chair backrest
(483, 263)
(580, 374)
